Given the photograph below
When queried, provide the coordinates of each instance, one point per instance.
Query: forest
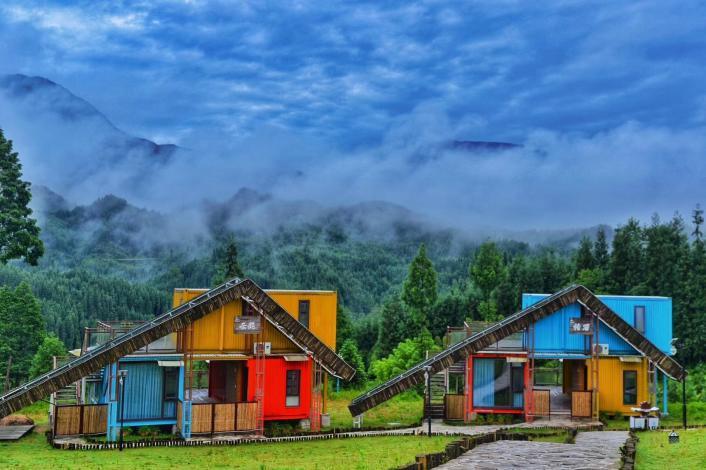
(397, 295)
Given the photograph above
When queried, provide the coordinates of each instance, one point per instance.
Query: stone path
(592, 450)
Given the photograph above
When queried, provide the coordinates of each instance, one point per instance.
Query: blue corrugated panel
(552, 333)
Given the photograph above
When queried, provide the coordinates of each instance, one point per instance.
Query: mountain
(63, 139)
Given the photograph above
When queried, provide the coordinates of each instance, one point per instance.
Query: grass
(404, 409)
(357, 453)
(545, 435)
(696, 414)
(655, 452)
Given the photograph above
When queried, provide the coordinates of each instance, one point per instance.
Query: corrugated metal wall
(552, 333)
(143, 392)
(214, 333)
(610, 384)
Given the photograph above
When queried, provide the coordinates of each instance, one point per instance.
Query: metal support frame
(260, 383)
(316, 397)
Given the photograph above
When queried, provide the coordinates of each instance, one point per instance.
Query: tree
(487, 270)
(600, 250)
(225, 258)
(407, 354)
(19, 233)
(344, 325)
(419, 291)
(21, 330)
(349, 352)
(43, 359)
(395, 326)
(450, 310)
(697, 217)
(626, 268)
(584, 256)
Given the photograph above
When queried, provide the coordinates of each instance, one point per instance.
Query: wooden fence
(541, 402)
(210, 418)
(581, 404)
(75, 420)
(453, 405)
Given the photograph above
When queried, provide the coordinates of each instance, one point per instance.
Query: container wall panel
(143, 391)
(553, 332)
(214, 333)
(610, 384)
(275, 388)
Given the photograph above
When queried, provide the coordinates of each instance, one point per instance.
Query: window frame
(304, 312)
(643, 314)
(626, 373)
(287, 387)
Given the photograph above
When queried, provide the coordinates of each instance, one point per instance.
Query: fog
(550, 181)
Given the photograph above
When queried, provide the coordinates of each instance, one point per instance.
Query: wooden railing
(211, 418)
(581, 404)
(453, 405)
(75, 420)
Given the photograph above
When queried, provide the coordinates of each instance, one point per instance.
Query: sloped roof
(169, 322)
(513, 324)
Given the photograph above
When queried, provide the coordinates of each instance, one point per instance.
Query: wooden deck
(13, 433)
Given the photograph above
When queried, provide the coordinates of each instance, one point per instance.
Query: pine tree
(419, 291)
(225, 258)
(584, 256)
(395, 326)
(19, 233)
(600, 250)
(43, 359)
(697, 218)
(626, 261)
(21, 330)
(487, 270)
(349, 352)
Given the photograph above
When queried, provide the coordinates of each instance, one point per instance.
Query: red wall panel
(275, 388)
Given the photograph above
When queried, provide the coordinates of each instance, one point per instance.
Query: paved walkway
(592, 450)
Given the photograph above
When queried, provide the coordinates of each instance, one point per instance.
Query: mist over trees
(397, 296)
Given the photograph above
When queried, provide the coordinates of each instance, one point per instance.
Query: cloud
(342, 101)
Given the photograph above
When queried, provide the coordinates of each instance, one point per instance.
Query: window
(171, 383)
(456, 384)
(630, 387)
(293, 379)
(304, 313)
(497, 383)
(640, 318)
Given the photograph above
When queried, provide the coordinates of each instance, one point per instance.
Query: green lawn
(403, 409)
(655, 452)
(696, 414)
(358, 453)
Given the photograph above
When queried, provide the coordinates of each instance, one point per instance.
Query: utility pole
(427, 380)
(683, 401)
(122, 378)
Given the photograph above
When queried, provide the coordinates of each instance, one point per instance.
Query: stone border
(628, 451)
(225, 441)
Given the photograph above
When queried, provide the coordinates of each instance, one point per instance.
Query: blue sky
(333, 101)
(342, 71)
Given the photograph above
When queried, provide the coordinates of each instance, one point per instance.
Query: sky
(607, 98)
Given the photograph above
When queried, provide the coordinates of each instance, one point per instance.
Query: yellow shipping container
(610, 383)
(214, 333)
